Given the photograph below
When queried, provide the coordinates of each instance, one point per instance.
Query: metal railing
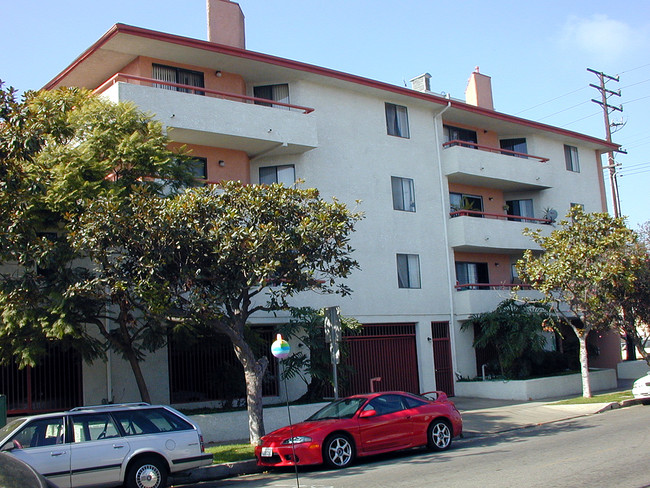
(519, 218)
(492, 286)
(198, 90)
(481, 147)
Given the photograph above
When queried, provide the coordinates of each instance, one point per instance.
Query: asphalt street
(603, 450)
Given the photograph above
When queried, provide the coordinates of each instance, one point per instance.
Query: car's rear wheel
(146, 472)
(439, 435)
(338, 451)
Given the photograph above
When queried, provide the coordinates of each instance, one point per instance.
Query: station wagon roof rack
(110, 405)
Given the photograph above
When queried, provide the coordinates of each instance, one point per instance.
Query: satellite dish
(551, 214)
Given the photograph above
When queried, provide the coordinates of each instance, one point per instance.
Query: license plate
(267, 452)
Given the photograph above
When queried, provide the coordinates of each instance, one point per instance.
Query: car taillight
(201, 443)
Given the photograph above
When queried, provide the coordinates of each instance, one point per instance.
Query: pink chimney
(226, 23)
(479, 90)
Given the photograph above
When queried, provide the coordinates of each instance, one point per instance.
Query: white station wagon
(137, 445)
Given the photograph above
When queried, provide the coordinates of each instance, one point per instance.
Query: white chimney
(421, 83)
(226, 23)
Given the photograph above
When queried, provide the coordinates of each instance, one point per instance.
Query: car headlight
(297, 440)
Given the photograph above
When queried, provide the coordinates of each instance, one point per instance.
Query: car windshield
(11, 426)
(341, 409)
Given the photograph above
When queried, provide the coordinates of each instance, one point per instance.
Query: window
(471, 274)
(278, 174)
(385, 404)
(458, 134)
(516, 145)
(522, 208)
(571, 158)
(403, 194)
(408, 271)
(462, 201)
(199, 168)
(397, 121)
(93, 427)
(39, 433)
(177, 75)
(149, 421)
(582, 207)
(277, 93)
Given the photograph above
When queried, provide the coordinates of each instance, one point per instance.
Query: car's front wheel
(338, 451)
(439, 435)
(146, 472)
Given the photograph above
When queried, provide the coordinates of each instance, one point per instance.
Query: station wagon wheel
(338, 451)
(439, 435)
(146, 472)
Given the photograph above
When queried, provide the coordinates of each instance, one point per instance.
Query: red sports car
(362, 425)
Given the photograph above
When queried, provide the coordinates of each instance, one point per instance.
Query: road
(604, 450)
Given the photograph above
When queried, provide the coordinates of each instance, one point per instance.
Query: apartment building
(446, 185)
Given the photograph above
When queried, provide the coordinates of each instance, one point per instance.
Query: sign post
(333, 337)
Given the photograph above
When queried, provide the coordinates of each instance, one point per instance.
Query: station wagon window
(93, 427)
(149, 421)
(39, 433)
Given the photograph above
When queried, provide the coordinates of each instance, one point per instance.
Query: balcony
(472, 231)
(219, 119)
(484, 297)
(473, 164)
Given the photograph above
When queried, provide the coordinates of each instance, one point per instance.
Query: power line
(551, 100)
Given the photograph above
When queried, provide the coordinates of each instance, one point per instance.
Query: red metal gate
(54, 384)
(444, 369)
(385, 351)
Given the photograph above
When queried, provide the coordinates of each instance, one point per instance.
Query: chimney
(479, 90)
(421, 83)
(226, 23)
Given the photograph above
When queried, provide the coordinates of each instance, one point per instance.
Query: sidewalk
(480, 417)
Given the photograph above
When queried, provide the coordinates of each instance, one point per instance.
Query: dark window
(516, 145)
(571, 158)
(472, 274)
(522, 208)
(178, 75)
(199, 168)
(403, 194)
(458, 134)
(462, 201)
(408, 271)
(397, 120)
(149, 421)
(278, 174)
(385, 404)
(39, 433)
(93, 427)
(277, 93)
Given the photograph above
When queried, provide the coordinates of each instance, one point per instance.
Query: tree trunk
(254, 370)
(584, 362)
(139, 377)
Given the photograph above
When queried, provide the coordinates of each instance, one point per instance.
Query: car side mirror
(367, 413)
(8, 446)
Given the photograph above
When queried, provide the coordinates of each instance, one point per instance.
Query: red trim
(491, 286)
(309, 68)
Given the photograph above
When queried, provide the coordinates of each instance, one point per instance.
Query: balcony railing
(199, 91)
(519, 218)
(492, 286)
(480, 147)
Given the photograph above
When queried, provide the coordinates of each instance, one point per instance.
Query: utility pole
(607, 109)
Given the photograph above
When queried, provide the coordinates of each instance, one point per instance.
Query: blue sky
(536, 52)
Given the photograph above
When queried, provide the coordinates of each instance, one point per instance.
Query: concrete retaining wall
(631, 370)
(233, 426)
(537, 388)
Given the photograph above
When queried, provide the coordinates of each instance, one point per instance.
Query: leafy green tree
(582, 264)
(314, 367)
(513, 329)
(61, 150)
(237, 250)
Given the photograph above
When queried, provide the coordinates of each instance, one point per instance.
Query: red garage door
(385, 351)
